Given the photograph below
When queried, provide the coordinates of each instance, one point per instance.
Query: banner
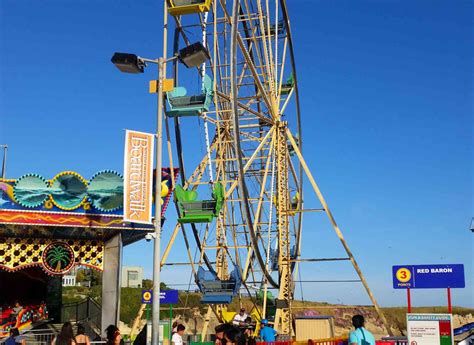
(138, 177)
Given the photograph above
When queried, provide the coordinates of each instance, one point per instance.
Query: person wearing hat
(267, 334)
(239, 319)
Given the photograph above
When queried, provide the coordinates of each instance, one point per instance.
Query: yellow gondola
(180, 7)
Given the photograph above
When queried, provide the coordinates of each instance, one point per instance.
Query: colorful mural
(68, 199)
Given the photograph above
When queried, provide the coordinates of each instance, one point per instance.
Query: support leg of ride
(283, 324)
(338, 231)
(136, 322)
(206, 323)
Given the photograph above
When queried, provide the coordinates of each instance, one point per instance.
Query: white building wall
(132, 276)
(69, 280)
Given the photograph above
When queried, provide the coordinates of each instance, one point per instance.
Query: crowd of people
(66, 336)
(240, 332)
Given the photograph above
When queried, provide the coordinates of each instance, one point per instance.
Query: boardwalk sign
(430, 329)
(428, 276)
(138, 179)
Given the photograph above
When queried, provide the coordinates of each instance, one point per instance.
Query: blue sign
(428, 276)
(147, 296)
(169, 297)
(166, 296)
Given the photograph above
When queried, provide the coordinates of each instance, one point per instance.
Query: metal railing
(88, 312)
(35, 337)
(393, 341)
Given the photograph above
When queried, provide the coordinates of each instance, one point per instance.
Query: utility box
(314, 327)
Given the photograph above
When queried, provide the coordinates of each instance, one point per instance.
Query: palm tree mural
(58, 256)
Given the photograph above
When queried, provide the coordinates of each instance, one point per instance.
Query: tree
(81, 275)
(147, 284)
(95, 277)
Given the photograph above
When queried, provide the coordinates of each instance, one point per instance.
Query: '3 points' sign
(428, 276)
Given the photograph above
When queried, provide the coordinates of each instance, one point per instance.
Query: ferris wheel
(241, 205)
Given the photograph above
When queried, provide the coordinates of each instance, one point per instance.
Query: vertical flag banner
(138, 177)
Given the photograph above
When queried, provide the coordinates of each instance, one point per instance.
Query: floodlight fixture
(193, 55)
(128, 63)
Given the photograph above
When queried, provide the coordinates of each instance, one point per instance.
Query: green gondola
(192, 210)
(286, 87)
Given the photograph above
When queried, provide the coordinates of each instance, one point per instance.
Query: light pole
(191, 56)
(155, 310)
(4, 162)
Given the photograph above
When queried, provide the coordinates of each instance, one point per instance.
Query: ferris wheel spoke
(249, 162)
(259, 207)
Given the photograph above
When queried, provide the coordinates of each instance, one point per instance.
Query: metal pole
(170, 330)
(4, 163)
(450, 307)
(155, 336)
(409, 300)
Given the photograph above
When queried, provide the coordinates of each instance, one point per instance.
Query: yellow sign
(138, 177)
(403, 274)
(168, 85)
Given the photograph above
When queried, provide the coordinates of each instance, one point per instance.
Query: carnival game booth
(50, 226)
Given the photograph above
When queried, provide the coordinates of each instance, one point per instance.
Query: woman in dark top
(81, 338)
(234, 336)
(113, 335)
(66, 336)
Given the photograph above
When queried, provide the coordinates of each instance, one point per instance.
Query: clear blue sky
(386, 90)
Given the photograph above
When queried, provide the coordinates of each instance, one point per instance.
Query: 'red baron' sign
(138, 177)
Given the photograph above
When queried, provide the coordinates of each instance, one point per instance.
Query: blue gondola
(215, 290)
(279, 29)
(181, 105)
(274, 258)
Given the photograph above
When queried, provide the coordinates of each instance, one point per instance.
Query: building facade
(69, 280)
(132, 276)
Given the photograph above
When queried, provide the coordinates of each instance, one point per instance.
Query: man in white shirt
(177, 338)
(239, 319)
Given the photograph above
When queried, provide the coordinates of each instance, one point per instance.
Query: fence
(328, 341)
(393, 341)
(338, 341)
(87, 311)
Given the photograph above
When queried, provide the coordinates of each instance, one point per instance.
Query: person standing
(360, 336)
(65, 337)
(177, 338)
(267, 334)
(113, 335)
(15, 338)
(239, 319)
(220, 331)
(81, 338)
(234, 336)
